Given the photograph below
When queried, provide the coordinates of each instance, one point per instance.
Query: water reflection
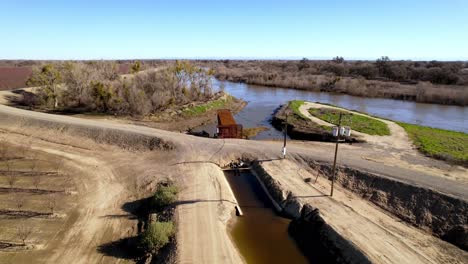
(262, 101)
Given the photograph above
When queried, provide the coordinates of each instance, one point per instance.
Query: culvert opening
(262, 234)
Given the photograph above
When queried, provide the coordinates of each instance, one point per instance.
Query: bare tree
(37, 180)
(23, 232)
(26, 147)
(33, 164)
(12, 178)
(52, 203)
(58, 165)
(20, 201)
(3, 150)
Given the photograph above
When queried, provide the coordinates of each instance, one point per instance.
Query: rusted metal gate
(227, 126)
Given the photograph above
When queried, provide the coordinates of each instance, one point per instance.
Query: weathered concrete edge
(342, 249)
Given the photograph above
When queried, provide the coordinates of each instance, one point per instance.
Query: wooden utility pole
(285, 131)
(336, 154)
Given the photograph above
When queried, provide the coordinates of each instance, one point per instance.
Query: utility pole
(285, 131)
(336, 154)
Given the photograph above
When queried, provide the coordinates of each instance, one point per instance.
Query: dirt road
(206, 205)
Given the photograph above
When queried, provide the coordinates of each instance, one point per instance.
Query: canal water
(260, 234)
(262, 101)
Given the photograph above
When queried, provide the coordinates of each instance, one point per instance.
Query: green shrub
(166, 194)
(156, 236)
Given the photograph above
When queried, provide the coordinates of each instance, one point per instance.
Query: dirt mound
(117, 137)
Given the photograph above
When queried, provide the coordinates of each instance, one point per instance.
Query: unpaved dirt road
(109, 189)
(206, 205)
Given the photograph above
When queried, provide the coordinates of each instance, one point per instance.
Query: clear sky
(132, 29)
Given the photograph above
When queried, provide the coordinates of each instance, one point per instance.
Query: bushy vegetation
(159, 229)
(156, 236)
(359, 123)
(97, 87)
(432, 82)
(166, 194)
(439, 143)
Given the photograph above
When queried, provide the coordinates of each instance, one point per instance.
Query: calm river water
(262, 101)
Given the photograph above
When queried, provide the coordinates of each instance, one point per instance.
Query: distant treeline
(422, 81)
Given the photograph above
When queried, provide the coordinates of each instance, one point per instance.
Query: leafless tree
(58, 165)
(52, 203)
(11, 178)
(24, 231)
(37, 180)
(26, 147)
(33, 163)
(20, 201)
(3, 150)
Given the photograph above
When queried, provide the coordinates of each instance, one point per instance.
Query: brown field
(12, 77)
(36, 197)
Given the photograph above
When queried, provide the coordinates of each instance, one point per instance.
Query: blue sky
(362, 29)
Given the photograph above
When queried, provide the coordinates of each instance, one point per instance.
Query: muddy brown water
(261, 235)
(262, 101)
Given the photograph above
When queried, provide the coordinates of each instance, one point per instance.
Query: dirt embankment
(442, 215)
(355, 231)
(124, 139)
(308, 227)
(176, 120)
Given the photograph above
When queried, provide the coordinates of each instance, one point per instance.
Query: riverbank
(187, 117)
(441, 144)
(348, 77)
(180, 118)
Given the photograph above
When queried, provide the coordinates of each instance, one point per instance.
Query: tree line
(96, 86)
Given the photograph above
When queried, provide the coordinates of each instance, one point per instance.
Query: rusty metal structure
(227, 126)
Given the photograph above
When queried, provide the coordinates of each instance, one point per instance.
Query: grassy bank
(219, 103)
(299, 126)
(439, 143)
(359, 123)
(294, 106)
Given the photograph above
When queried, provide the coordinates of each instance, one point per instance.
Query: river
(262, 101)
